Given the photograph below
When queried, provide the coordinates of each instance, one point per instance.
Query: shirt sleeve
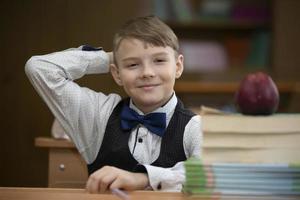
(193, 137)
(166, 179)
(82, 112)
(172, 179)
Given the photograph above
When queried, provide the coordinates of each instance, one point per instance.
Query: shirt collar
(167, 108)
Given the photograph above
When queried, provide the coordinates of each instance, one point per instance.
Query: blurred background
(222, 41)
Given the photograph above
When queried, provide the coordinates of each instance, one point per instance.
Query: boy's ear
(179, 66)
(114, 70)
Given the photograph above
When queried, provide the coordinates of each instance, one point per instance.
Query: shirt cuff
(166, 179)
(98, 59)
(90, 48)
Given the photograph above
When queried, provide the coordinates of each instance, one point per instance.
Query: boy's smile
(146, 72)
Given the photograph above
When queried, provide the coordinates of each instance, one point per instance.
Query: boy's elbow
(31, 66)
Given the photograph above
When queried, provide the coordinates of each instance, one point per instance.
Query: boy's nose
(147, 71)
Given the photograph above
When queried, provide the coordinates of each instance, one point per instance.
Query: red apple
(257, 95)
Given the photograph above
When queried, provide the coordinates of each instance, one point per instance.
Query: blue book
(242, 178)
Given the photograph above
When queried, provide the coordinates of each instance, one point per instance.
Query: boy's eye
(160, 60)
(132, 65)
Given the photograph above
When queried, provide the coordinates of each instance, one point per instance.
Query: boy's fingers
(92, 185)
(102, 179)
(93, 182)
(117, 184)
(106, 181)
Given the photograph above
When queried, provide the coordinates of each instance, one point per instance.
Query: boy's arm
(172, 179)
(109, 177)
(82, 112)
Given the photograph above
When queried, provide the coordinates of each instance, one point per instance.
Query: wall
(286, 45)
(31, 27)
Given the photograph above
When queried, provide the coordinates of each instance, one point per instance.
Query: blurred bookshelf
(222, 41)
(220, 35)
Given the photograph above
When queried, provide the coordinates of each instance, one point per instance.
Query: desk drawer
(66, 168)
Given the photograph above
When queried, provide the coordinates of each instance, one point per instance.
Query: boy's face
(147, 73)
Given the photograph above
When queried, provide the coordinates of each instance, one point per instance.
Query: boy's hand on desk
(109, 177)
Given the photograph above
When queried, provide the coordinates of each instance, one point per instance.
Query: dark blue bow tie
(154, 122)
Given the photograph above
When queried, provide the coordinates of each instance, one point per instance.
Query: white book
(246, 124)
(257, 140)
(255, 155)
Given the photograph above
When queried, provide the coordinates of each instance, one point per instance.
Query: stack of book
(242, 180)
(247, 156)
(251, 139)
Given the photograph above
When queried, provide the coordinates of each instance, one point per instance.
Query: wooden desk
(196, 87)
(79, 194)
(11, 193)
(66, 167)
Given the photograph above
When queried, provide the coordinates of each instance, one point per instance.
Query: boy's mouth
(148, 86)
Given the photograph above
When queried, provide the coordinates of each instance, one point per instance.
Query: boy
(134, 143)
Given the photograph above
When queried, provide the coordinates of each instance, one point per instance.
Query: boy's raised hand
(109, 177)
(111, 57)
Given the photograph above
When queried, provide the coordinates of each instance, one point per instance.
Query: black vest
(114, 150)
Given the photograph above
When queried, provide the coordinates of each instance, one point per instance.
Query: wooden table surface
(20, 193)
(17, 193)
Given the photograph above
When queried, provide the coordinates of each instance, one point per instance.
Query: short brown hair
(149, 29)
